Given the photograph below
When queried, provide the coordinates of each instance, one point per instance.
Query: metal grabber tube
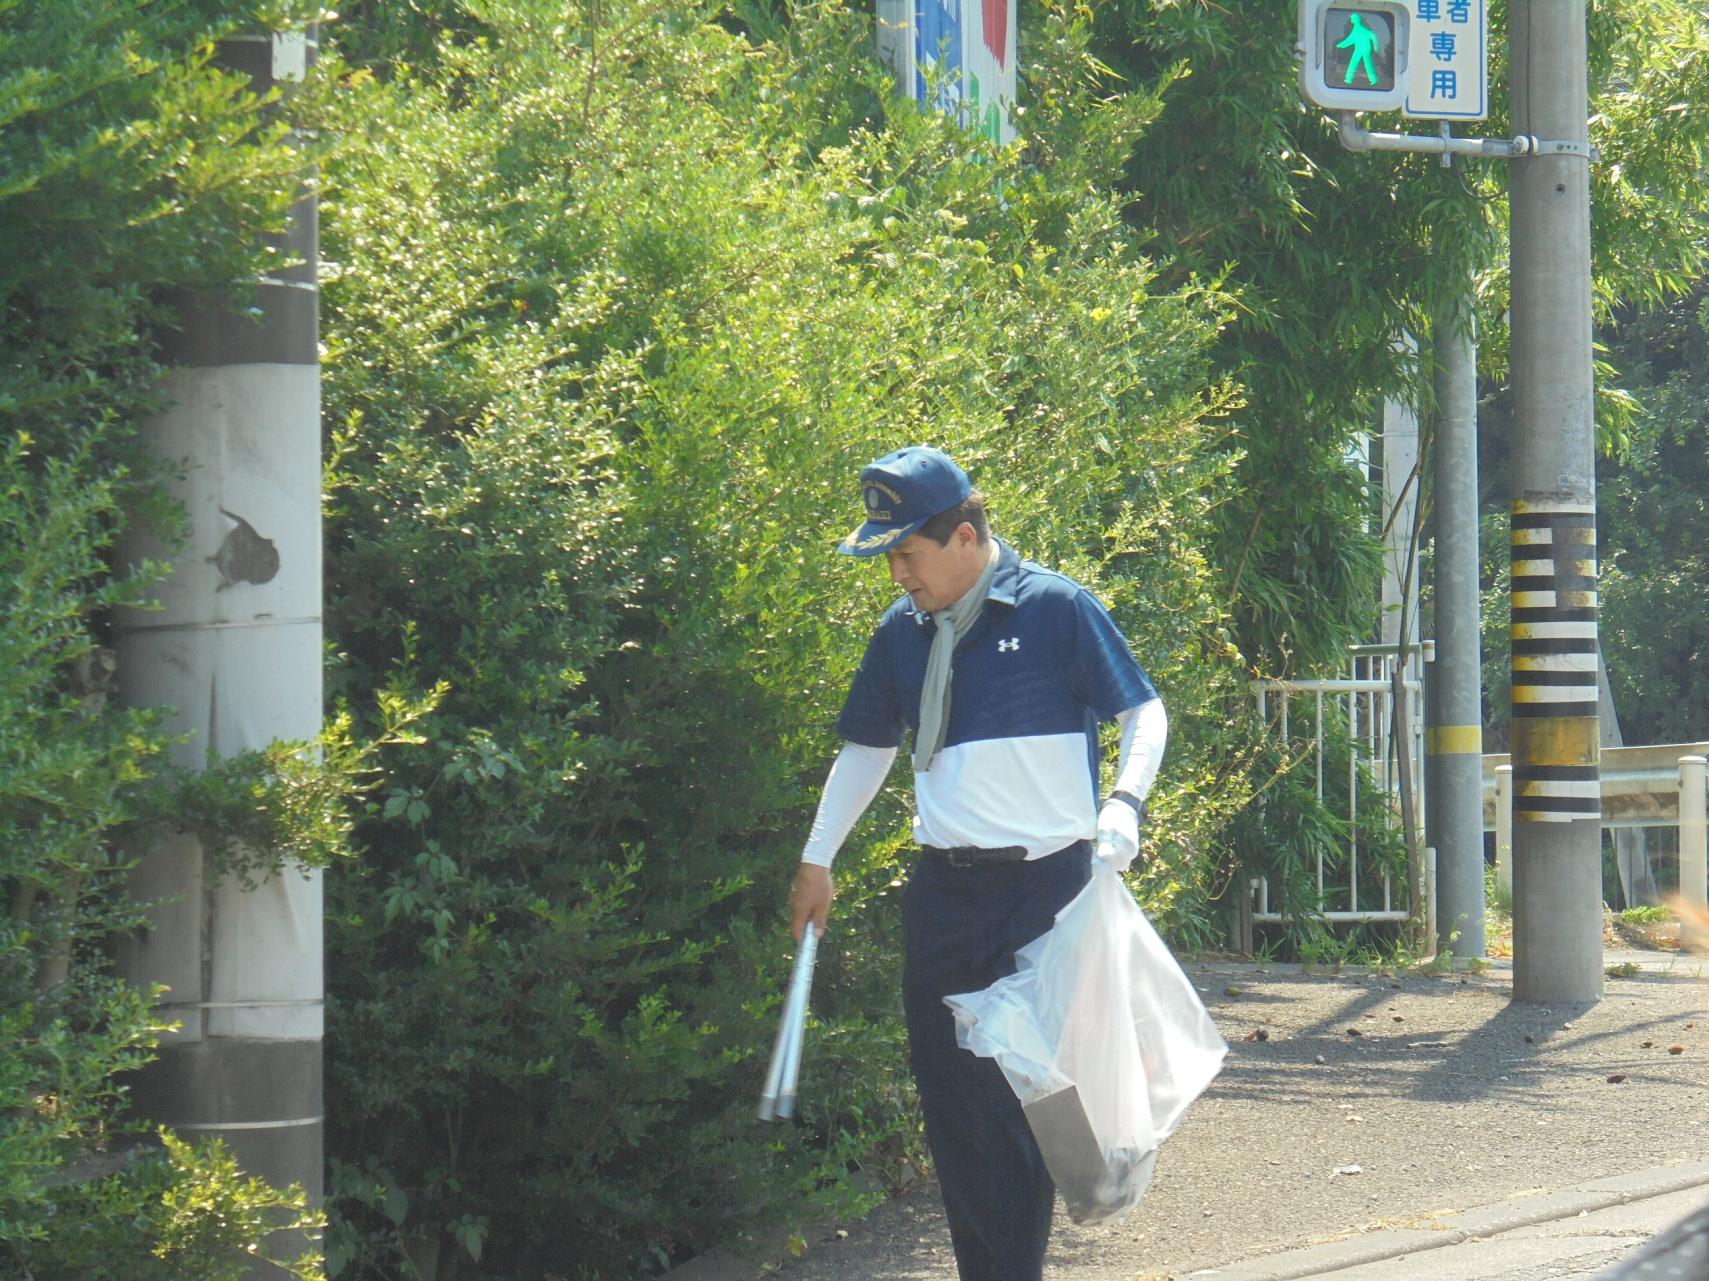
(778, 1101)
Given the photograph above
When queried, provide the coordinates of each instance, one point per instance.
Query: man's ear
(966, 537)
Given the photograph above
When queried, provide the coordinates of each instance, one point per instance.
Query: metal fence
(1366, 694)
(1657, 785)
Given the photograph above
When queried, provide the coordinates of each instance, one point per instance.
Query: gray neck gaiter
(952, 624)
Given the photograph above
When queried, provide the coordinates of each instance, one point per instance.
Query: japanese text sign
(1448, 73)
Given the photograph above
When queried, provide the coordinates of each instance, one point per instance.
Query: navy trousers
(961, 929)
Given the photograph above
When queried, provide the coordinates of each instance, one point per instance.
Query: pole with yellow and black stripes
(1557, 834)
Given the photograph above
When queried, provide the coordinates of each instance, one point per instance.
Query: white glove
(1118, 834)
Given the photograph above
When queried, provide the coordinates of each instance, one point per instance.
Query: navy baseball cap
(902, 491)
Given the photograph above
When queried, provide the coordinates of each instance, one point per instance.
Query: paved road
(1575, 1234)
(1450, 1098)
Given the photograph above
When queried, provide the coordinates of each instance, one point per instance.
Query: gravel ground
(1449, 1097)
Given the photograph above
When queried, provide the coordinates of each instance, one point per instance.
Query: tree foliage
(1334, 256)
(1653, 525)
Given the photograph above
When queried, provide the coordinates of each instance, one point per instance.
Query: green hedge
(618, 315)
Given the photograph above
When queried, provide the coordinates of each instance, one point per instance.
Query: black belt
(974, 856)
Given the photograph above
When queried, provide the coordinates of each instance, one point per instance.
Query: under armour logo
(1005, 646)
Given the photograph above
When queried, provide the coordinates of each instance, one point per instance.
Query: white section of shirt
(1034, 792)
(1009, 791)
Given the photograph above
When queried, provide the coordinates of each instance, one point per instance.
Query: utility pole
(1557, 857)
(235, 651)
(1454, 699)
(1400, 509)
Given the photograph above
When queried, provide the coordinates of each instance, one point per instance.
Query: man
(1002, 670)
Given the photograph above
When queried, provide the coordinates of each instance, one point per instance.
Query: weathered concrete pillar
(235, 650)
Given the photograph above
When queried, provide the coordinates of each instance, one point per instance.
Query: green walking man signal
(1353, 56)
(1363, 42)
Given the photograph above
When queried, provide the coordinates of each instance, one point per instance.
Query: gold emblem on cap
(872, 542)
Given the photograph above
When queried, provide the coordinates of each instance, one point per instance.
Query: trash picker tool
(778, 1101)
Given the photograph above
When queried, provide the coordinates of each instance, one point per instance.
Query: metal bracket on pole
(1446, 145)
(1543, 147)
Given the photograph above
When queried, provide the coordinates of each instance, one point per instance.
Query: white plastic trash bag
(1104, 1041)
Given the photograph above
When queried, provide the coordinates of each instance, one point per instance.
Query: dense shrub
(619, 313)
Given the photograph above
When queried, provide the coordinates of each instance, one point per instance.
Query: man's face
(936, 577)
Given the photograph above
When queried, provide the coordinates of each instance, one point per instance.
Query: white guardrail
(1656, 785)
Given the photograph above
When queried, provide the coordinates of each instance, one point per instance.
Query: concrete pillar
(1693, 831)
(235, 651)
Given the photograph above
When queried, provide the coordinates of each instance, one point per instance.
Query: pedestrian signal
(1364, 56)
(1353, 55)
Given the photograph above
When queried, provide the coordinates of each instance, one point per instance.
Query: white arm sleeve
(855, 777)
(1145, 729)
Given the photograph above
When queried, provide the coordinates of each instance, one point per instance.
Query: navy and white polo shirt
(1042, 666)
